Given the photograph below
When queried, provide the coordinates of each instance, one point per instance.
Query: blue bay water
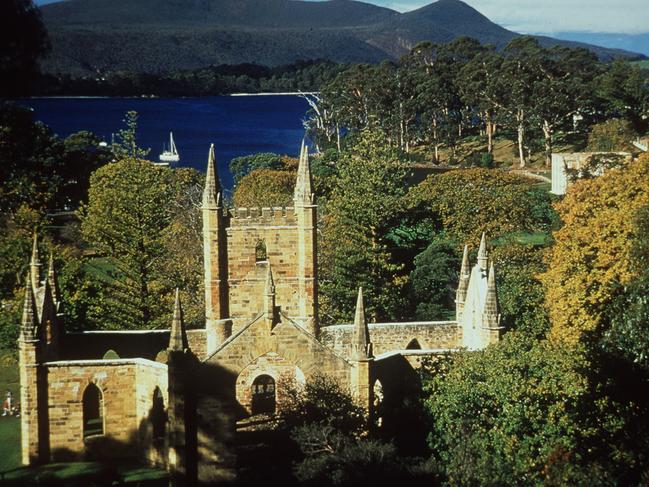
(236, 125)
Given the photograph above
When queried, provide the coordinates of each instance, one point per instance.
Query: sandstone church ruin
(172, 397)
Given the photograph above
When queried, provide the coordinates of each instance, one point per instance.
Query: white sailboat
(170, 155)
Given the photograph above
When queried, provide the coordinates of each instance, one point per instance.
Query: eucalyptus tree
(624, 91)
(478, 86)
(517, 76)
(562, 89)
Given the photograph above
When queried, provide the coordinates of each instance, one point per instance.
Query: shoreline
(155, 97)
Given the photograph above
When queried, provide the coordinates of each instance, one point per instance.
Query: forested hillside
(167, 36)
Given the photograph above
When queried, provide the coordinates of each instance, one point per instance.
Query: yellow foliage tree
(468, 202)
(590, 258)
(265, 188)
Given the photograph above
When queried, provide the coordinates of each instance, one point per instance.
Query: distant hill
(159, 36)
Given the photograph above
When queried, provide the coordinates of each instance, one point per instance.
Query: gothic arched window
(413, 345)
(260, 252)
(158, 415)
(93, 406)
(263, 395)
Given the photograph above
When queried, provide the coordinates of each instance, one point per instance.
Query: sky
(548, 16)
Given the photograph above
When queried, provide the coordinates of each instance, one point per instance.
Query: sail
(170, 155)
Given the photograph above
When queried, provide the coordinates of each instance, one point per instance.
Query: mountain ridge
(158, 36)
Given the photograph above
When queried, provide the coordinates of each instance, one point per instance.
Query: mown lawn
(643, 64)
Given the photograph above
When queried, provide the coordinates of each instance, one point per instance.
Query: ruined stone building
(172, 397)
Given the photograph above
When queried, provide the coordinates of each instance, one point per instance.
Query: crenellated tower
(241, 245)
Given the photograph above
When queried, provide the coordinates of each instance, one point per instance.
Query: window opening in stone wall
(263, 395)
(93, 405)
(377, 404)
(260, 252)
(413, 345)
(158, 415)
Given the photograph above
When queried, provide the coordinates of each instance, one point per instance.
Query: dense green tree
(561, 92)
(128, 218)
(40, 170)
(244, 165)
(625, 92)
(265, 188)
(478, 87)
(126, 144)
(520, 293)
(433, 281)
(504, 416)
(23, 40)
(366, 203)
(467, 202)
(629, 315)
(614, 135)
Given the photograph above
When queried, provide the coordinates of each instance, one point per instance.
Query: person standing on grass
(7, 406)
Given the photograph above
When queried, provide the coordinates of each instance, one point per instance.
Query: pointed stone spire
(212, 190)
(303, 194)
(35, 265)
(483, 257)
(53, 282)
(463, 284)
(178, 336)
(29, 322)
(491, 316)
(465, 270)
(269, 294)
(361, 344)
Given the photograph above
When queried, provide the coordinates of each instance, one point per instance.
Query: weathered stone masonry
(178, 409)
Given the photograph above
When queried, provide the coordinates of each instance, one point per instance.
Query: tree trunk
(338, 136)
(490, 137)
(521, 137)
(547, 133)
(435, 140)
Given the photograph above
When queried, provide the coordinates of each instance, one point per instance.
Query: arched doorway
(93, 418)
(263, 395)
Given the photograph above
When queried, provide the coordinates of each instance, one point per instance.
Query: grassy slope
(643, 64)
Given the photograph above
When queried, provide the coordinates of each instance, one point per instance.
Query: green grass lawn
(643, 64)
(9, 443)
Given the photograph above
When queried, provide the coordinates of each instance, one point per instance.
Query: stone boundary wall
(387, 337)
(92, 345)
(123, 384)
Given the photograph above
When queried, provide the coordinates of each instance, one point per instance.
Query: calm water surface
(235, 125)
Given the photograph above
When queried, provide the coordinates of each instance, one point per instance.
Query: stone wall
(387, 337)
(283, 351)
(197, 341)
(127, 391)
(278, 229)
